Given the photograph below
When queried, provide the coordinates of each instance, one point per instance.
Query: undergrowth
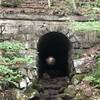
(9, 76)
(94, 77)
(10, 56)
(86, 26)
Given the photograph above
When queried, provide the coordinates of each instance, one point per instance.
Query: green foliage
(11, 46)
(10, 3)
(86, 26)
(12, 57)
(15, 60)
(9, 75)
(94, 77)
(4, 70)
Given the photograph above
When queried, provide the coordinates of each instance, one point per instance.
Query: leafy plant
(12, 56)
(15, 60)
(94, 77)
(86, 26)
(9, 75)
(11, 46)
(12, 53)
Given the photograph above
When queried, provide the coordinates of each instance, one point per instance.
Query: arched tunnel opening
(53, 55)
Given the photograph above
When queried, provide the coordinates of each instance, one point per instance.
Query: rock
(46, 76)
(84, 64)
(61, 90)
(22, 70)
(84, 91)
(70, 91)
(34, 98)
(75, 81)
(78, 62)
(20, 95)
(30, 74)
(1, 96)
(0, 88)
(1, 52)
(77, 78)
(5, 85)
(29, 84)
(34, 95)
(16, 94)
(86, 88)
(80, 96)
(88, 92)
(34, 73)
(23, 84)
(7, 95)
(28, 81)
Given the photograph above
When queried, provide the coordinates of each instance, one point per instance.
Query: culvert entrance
(54, 55)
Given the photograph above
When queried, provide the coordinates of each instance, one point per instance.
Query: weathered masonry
(48, 36)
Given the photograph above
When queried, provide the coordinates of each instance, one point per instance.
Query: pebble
(23, 84)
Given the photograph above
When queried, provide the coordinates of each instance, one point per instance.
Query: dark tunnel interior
(56, 45)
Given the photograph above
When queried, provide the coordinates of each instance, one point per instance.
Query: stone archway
(58, 46)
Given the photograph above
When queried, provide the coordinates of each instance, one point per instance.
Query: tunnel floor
(53, 55)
